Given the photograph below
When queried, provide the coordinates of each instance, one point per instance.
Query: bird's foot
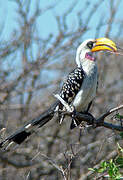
(92, 121)
(75, 122)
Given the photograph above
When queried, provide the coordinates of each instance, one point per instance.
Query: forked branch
(96, 122)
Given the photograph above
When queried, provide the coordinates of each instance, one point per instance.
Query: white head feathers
(82, 50)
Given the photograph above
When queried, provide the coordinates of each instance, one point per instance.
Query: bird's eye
(90, 44)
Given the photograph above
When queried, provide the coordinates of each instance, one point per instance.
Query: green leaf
(111, 167)
(121, 134)
(110, 172)
(119, 161)
(119, 116)
(104, 164)
(91, 169)
(101, 170)
(120, 148)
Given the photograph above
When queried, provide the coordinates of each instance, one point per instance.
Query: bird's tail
(20, 135)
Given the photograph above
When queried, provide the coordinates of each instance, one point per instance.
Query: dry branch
(89, 117)
(100, 121)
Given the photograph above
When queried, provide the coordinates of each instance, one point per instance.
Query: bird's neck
(86, 60)
(88, 66)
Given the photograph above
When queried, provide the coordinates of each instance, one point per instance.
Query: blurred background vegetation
(38, 42)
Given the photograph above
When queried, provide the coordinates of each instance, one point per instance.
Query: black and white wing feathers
(70, 88)
(72, 85)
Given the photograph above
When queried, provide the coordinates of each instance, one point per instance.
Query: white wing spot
(28, 126)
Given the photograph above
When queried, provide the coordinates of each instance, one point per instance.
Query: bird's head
(88, 47)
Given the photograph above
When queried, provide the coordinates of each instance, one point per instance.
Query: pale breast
(87, 92)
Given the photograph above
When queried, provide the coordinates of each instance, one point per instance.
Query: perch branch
(90, 119)
(100, 121)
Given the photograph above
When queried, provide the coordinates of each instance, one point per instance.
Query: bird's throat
(90, 56)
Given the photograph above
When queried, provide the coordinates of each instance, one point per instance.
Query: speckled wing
(72, 85)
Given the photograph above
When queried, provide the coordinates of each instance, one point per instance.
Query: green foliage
(121, 134)
(119, 161)
(119, 116)
(119, 158)
(111, 167)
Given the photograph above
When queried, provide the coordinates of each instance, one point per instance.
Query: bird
(78, 90)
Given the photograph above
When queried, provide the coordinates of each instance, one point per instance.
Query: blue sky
(47, 23)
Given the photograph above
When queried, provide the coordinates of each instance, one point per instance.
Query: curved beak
(104, 44)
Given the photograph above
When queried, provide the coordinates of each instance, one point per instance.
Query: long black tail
(20, 135)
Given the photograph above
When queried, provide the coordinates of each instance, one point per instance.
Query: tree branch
(17, 164)
(100, 121)
(89, 117)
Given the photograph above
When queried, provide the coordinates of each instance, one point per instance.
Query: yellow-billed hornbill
(78, 90)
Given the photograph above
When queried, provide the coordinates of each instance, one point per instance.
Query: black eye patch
(90, 44)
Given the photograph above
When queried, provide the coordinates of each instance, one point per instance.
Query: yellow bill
(104, 44)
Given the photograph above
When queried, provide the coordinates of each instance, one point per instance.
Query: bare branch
(99, 121)
(17, 164)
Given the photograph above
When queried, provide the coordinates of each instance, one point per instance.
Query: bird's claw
(74, 122)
